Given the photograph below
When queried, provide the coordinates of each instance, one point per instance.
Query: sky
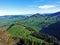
(18, 7)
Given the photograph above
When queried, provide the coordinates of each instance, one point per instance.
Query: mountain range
(37, 29)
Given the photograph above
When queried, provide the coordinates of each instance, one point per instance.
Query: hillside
(39, 21)
(5, 38)
(27, 36)
(53, 30)
(18, 31)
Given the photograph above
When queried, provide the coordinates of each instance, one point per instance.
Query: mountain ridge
(53, 30)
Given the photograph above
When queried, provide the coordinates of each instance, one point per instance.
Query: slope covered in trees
(53, 30)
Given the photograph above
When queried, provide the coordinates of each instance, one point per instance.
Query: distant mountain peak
(57, 12)
(36, 15)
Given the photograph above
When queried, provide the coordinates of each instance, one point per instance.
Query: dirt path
(5, 38)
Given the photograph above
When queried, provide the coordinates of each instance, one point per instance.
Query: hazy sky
(11, 7)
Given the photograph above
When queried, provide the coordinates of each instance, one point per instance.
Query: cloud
(46, 6)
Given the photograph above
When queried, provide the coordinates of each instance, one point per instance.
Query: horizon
(21, 7)
(27, 14)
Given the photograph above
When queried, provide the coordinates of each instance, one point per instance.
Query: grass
(20, 32)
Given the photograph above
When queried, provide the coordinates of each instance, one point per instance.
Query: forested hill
(53, 30)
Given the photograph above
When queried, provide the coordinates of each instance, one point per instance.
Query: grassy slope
(20, 32)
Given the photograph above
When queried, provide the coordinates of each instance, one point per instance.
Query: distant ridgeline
(36, 21)
(24, 35)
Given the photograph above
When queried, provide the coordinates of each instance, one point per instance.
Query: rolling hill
(18, 31)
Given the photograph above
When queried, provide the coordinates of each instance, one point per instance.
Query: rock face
(5, 38)
(53, 30)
